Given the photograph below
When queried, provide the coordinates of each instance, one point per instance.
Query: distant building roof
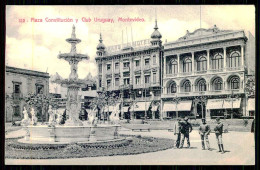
(26, 72)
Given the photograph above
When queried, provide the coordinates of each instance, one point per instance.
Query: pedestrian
(253, 128)
(218, 131)
(177, 133)
(186, 128)
(204, 131)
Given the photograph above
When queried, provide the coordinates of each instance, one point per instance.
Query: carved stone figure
(34, 118)
(52, 119)
(26, 120)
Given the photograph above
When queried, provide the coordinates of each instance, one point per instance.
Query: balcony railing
(146, 67)
(17, 96)
(137, 68)
(234, 68)
(126, 86)
(108, 72)
(126, 69)
(201, 72)
(185, 73)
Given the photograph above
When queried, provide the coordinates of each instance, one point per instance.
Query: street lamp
(176, 100)
(232, 98)
(202, 100)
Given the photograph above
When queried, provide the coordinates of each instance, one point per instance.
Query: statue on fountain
(26, 119)
(59, 118)
(34, 118)
(92, 117)
(52, 120)
(114, 117)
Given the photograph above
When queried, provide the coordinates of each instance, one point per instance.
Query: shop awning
(125, 109)
(109, 108)
(154, 108)
(229, 104)
(251, 104)
(181, 106)
(215, 104)
(140, 106)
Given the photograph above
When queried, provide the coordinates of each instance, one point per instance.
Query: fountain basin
(59, 133)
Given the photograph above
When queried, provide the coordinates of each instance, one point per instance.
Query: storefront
(182, 109)
(139, 109)
(251, 106)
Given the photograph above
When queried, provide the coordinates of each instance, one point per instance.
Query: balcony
(137, 68)
(168, 75)
(116, 71)
(17, 96)
(138, 86)
(200, 93)
(126, 86)
(185, 73)
(240, 68)
(147, 67)
(108, 72)
(201, 72)
(126, 69)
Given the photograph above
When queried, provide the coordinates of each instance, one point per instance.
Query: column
(208, 59)
(178, 60)
(193, 63)
(164, 66)
(225, 60)
(242, 56)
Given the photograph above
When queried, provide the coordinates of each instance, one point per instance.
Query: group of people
(183, 128)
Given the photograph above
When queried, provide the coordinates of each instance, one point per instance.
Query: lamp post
(202, 100)
(232, 98)
(176, 100)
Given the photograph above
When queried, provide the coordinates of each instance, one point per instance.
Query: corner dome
(101, 46)
(156, 34)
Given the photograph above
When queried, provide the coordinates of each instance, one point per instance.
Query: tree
(39, 101)
(250, 86)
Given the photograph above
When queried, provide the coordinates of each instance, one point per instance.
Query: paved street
(239, 147)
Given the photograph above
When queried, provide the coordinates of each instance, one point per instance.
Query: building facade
(133, 73)
(204, 74)
(18, 83)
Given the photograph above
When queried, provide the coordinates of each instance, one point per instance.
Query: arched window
(187, 86)
(234, 59)
(202, 63)
(173, 67)
(187, 65)
(201, 85)
(217, 61)
(234, 83)
(173, 87)
(217, 84)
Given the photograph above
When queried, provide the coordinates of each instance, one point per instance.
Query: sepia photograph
(130, 85)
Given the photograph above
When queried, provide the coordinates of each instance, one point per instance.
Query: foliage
(245, 122)
(250, 86)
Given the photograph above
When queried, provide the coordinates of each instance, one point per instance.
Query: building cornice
(26, 72)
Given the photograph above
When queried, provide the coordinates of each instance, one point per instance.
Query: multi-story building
(133, 73)
(18, 83)
(205, 73)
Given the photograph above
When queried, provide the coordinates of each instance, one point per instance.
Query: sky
(36, 45)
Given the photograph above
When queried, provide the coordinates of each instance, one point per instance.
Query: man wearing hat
(177, 133)
(204, 131)
(186, 128)
(218, 131)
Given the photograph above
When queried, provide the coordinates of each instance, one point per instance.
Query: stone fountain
(74, 130)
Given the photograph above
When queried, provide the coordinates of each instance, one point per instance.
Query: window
(154, 78)
(202, 63)
(187, 65)
(173, 67)
(100, 68)
(147, 78)
(108, 83)
(187, 86)
(126, 64)
(116, 81)
(108, 67)
(173, 87)
(154, 59)
(217, 84)
(234, 59)
(217, 61)
(17, 88)
(17, 110)
(116, 66)
(147, 61)
(137, 79)
(126, 81)
(137, 63)
(202, 86)
(39, 89)
(100, 83)
(234, 83)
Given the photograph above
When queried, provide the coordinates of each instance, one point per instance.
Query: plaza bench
(140, 127)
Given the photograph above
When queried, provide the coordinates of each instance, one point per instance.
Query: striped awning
(109, 108)
(154, 108)
(125, 109)
(215, 104)
(181, 106)
(140, 106)
(232, 103)
(251, 104)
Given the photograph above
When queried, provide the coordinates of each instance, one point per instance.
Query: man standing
(186, 128)
(204, 131)
(177, 134)
(218, 131)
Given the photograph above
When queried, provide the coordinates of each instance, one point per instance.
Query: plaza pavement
(239, 146)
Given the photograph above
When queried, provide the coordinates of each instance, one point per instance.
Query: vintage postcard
(130, 85)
